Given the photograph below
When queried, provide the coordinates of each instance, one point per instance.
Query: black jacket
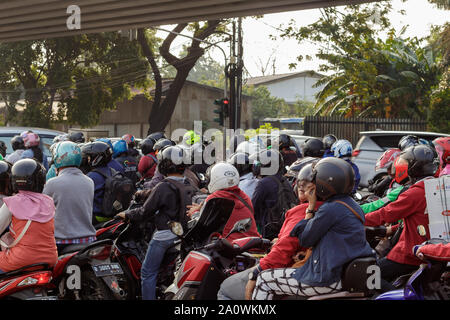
(163, 205)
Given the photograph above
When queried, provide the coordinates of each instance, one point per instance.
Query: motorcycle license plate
(107, 269)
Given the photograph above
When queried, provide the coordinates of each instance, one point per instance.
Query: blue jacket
(247, 183)
(328, 154)
(336, 236)
(28, 153)
(264, 197)
(357, 175)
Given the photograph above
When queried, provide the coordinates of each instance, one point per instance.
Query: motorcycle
(27, 283)
(207, 266)
(431, 281)
(130, 248)
(85, 272)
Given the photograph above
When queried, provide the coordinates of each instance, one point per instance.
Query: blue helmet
(67, 154)
(119, 147)
(106, 140)
(342, 148)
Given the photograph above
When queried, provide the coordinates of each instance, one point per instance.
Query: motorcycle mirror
(241, 226)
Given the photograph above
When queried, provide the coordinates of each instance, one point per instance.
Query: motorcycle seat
(355, 275)
(73, 248)
(26, 269)
(339, 295)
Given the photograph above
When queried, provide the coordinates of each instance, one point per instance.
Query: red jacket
(147, 166)
(410, 206)
(240, 212)
(280, 256)
(439, 252)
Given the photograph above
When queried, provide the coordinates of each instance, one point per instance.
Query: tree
(300, 108)
(84, 74)
(264, 104)
(369, 76)
(442, 4)
(162, 108)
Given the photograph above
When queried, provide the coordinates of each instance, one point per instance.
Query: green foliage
(300, 108)
(83, 75)
(441, 4)
(368, 76)
(266, 128)
(439, 120)
(264, 105)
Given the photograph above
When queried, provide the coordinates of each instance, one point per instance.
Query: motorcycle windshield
(213, 218)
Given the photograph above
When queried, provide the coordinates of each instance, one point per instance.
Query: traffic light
(221, 110)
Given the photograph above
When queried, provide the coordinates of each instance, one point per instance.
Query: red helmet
(400, 171)
(129, 138)
(31, 139)
(442, 146)
(387, 159)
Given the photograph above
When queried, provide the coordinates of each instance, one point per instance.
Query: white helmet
(248, 147)
(223, 175)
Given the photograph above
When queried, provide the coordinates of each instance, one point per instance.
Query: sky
(258, 48)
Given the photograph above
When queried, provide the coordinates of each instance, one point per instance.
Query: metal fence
(349, 128)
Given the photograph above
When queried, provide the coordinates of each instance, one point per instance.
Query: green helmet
(191, 137)
(67, 154)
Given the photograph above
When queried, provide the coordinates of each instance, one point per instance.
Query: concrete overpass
(42, 19)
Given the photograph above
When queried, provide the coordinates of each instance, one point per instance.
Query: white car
(372, 144)
(46, 136)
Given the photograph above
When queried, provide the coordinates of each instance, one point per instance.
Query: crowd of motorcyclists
(307, 206)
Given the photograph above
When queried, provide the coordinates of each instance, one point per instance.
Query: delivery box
(437, 193)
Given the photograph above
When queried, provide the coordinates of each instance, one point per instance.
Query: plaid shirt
(79, 240)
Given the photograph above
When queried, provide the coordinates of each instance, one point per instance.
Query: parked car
(372, 144)
(46, 136)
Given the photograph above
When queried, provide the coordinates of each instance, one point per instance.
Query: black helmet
(77, 137)
(162, 143)
(156, 136)
(423, 161)
(17, 143)
(295, 168)
(408, 141)
(307, 172)
(241, 162)
(29, 175)
(97, 153)
(283, 141)
(147, 146)
(313, 147)
(268, 158)
(328, 141)
(5, 177)
(172, 160)
(333, 176)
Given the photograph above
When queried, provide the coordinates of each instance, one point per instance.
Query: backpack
(185, 193)
(118, 192)
(275, 215)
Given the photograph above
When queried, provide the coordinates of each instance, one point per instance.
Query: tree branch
(164, 50)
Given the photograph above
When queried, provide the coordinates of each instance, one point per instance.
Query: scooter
(431, 281)
(27, 283)
(206, 267)
(130, 247)
(85, 272)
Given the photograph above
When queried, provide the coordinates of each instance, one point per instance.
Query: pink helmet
(31, 139)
